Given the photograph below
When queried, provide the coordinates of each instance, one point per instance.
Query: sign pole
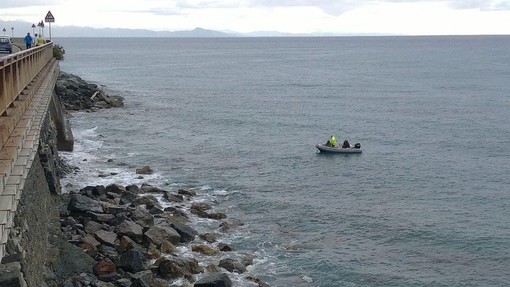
(49, 19)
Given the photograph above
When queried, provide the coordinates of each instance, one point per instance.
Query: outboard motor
(357, 145)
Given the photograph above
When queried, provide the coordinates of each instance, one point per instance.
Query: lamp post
(33, 29)
(12, 32)
(42, 28)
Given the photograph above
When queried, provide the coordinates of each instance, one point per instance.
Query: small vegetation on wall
(58, 52)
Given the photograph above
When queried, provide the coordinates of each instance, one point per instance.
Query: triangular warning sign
(49, 17)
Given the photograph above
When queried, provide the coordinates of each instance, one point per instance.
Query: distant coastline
(21, 28)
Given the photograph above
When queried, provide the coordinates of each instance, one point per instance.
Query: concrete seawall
(29, 255)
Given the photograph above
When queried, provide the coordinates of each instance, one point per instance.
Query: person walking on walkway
(28, 41)
(40, 40)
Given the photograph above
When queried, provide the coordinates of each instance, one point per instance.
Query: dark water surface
(426, 204)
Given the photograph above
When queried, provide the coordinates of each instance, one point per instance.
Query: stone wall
(30, 254)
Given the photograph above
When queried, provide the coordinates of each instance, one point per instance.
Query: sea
(427, 203)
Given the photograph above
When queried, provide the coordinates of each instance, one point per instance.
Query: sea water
(237, 120)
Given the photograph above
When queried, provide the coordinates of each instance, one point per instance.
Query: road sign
(49, 18)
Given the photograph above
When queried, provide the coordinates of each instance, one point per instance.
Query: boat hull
(328, 149)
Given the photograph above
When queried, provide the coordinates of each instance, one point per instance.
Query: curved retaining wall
(30, 183)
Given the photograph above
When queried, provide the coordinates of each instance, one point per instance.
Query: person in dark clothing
(346, 144)
(28, 41)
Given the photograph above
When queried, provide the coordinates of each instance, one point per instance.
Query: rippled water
(426, 204)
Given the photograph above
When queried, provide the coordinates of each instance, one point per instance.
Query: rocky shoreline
(135, 235)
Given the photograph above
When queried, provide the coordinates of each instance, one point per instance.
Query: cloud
(28, 3)
(483, 5)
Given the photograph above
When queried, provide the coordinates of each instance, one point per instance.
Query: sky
(394, 17)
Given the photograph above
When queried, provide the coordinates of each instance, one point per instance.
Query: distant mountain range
(22, 28)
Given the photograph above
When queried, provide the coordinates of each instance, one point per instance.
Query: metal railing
(18, 70)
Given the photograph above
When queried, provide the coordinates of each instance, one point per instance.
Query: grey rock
(131, 230)
(132, 261)
(83, 204)
(215, 279)
(106, 237)
(187, 232)
(232, 266)
(156, 234)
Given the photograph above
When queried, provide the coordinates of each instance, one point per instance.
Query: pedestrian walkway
(19, 135)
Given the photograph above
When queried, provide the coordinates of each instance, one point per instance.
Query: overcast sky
(406, 17)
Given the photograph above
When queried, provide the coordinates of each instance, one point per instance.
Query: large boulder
(131, 230)
(178, 268)
(215, 279)
(147, 200)
(232, 266)
(132, 261)
(83, 204)
(144, 170)
(156, 234)
(106, 237)
(142, 217)
(187, 232)
(103, 267)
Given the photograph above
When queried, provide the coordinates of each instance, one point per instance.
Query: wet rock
(115, 188)
(232, 266)
(212, 268)
(171, 197)
(228, 225)
(144, 170)
(178, 268)
(92, 226)
(247, 260)
(83, 204)
(156, 235)
(153, 252)
(176, 211)
(147, 200)
(224, 247)
(72, 259)
(215, 279)
(90, 245)
(142, 217)
(93, 191)
(133, 188)
(125, 244)
(132, 261)
(147, 188)
(204, 249)
(256, 280)
(106, 237)
(104, 266)
(217, 215)
(130, 229)
(110, 277)
(101, 217)
(127, 198)
(167, 247)
(108, 251)
(115, 209)
(125, 282)
(187, 192)
(201, 206)
(147, 279)
(187, 232)
(209, 237)
(10, 274)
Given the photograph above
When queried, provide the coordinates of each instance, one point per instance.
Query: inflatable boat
(338, 149)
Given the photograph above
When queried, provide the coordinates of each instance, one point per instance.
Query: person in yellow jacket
(331, 141)
(40, 40)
